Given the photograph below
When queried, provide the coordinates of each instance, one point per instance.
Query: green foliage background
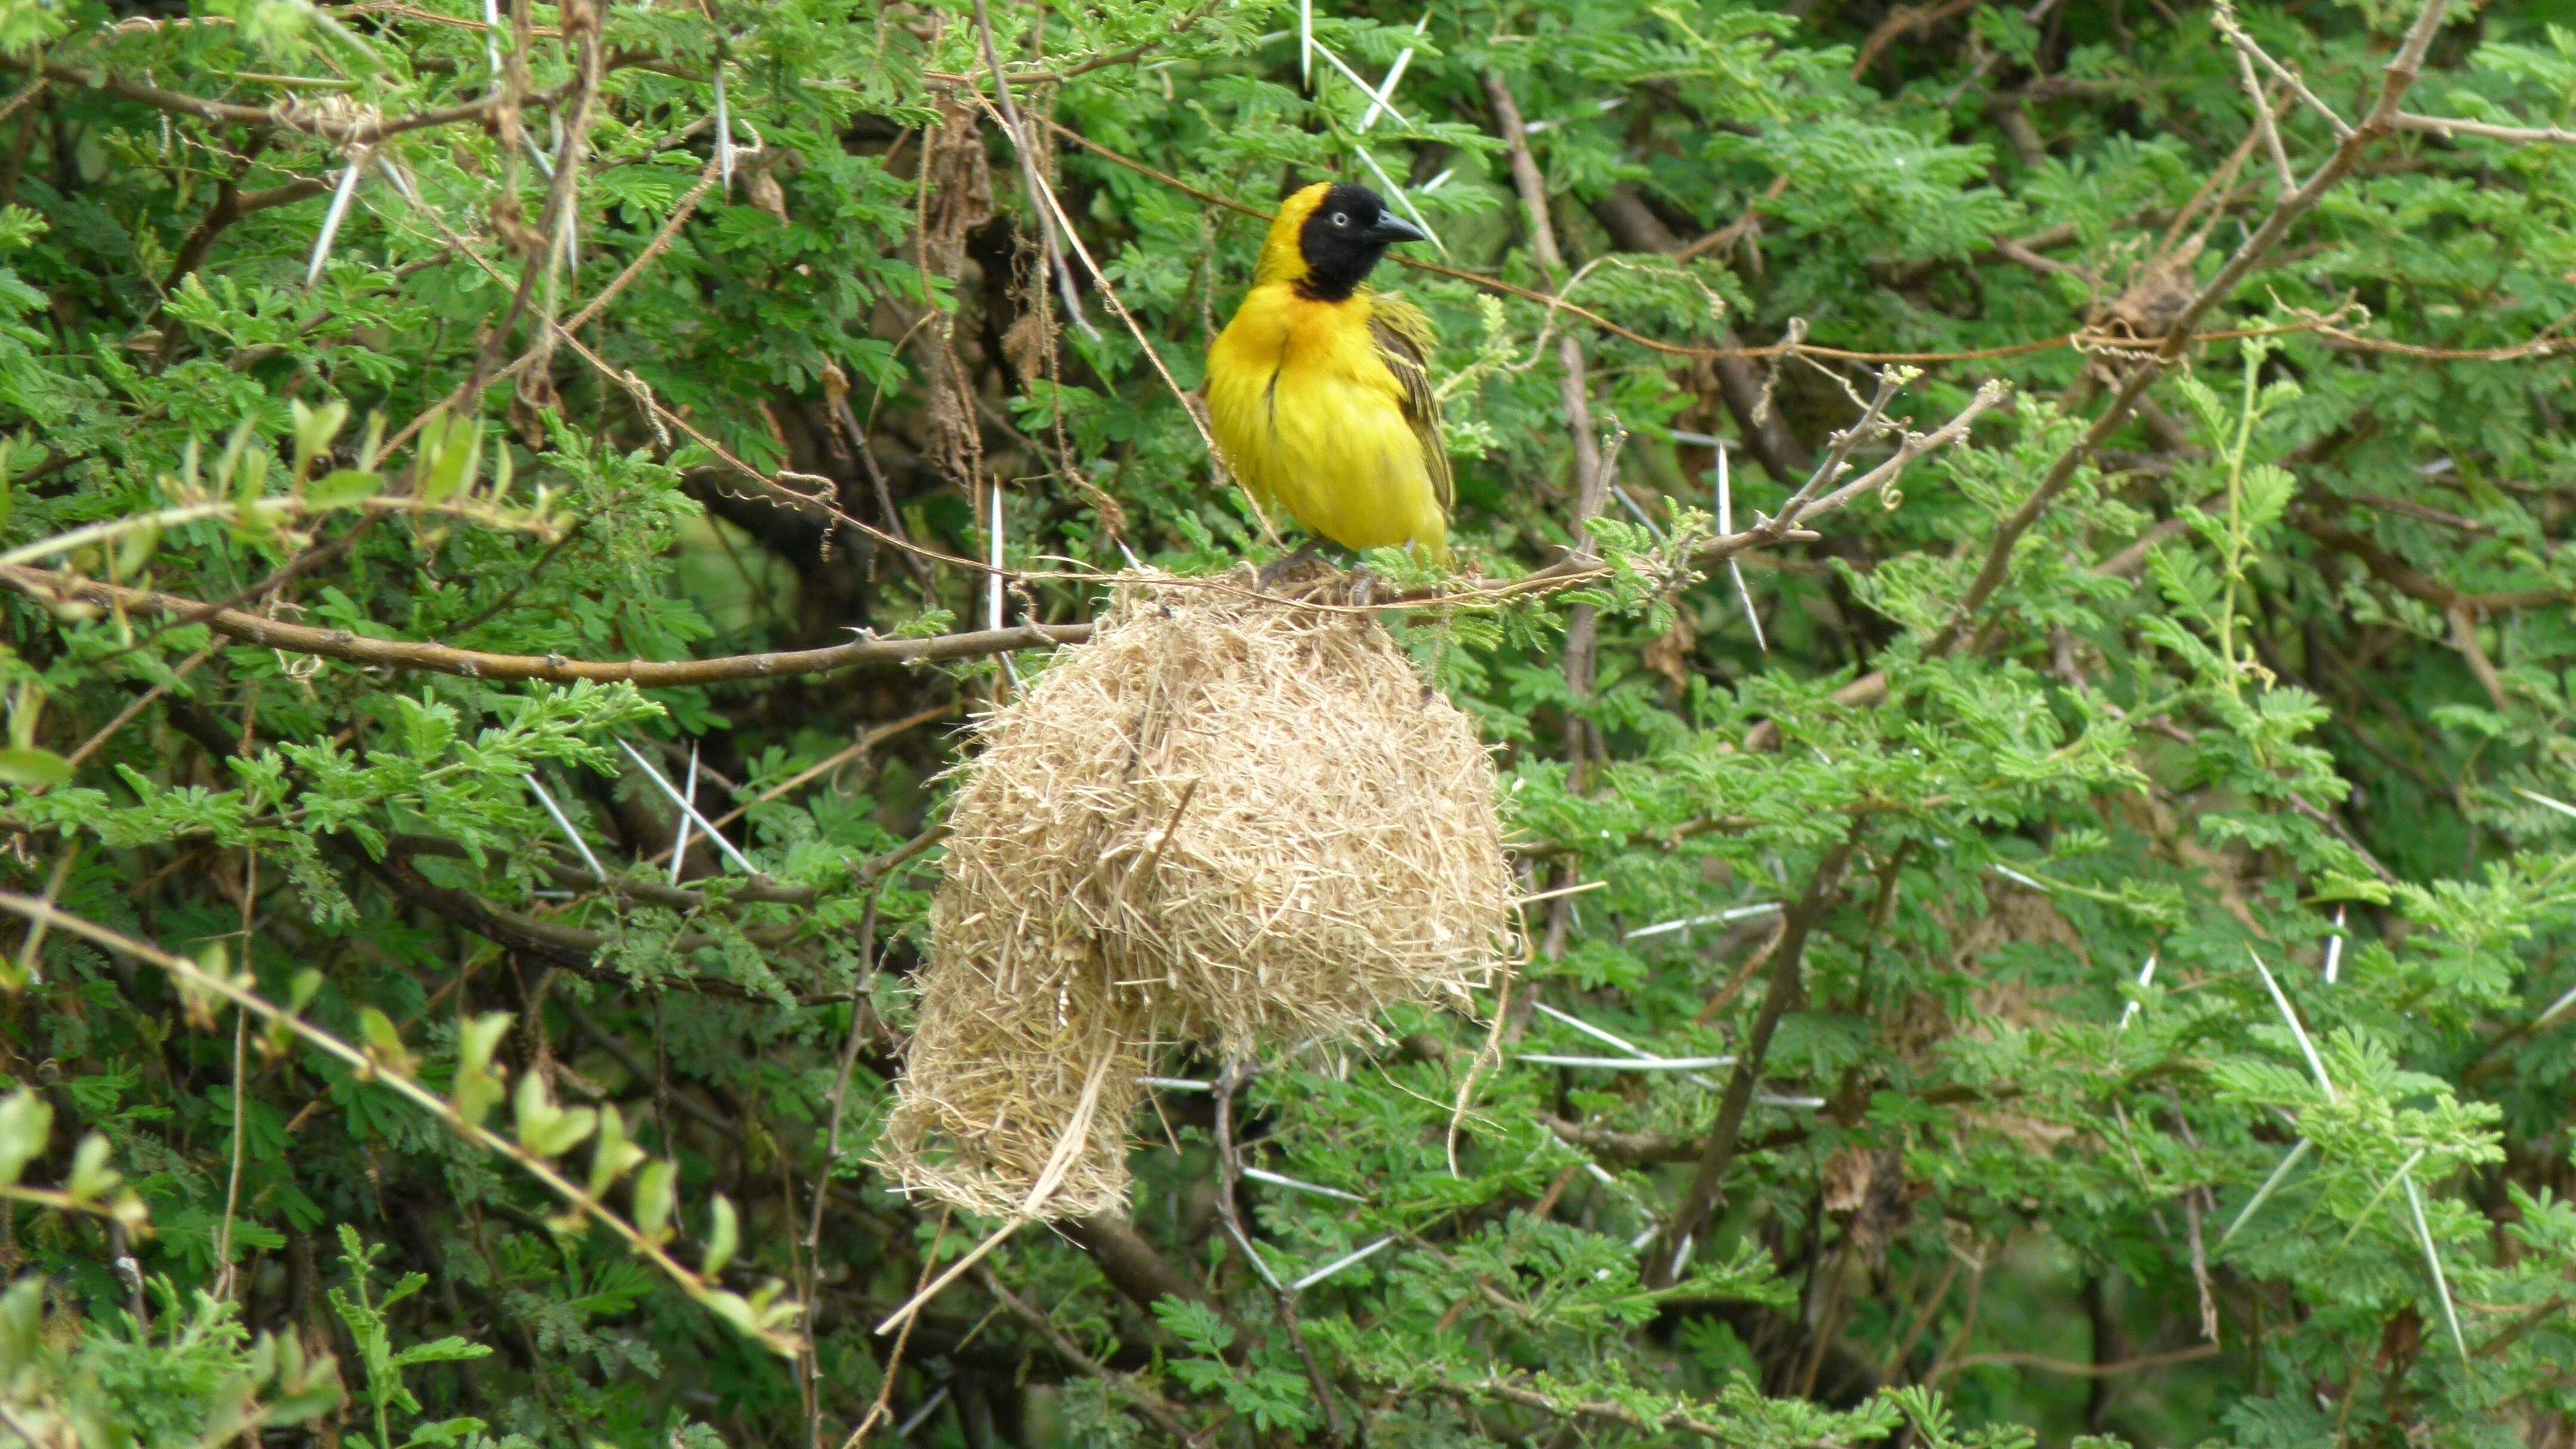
(2291, 648)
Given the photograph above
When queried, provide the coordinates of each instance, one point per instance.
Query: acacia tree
(2016, 565)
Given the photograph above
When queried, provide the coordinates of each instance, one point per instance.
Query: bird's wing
(1404, 343)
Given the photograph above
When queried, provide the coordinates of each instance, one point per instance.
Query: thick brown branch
(1132, 1265)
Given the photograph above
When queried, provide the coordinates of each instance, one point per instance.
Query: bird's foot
(1304, 567)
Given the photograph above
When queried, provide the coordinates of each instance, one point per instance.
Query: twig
(1786, 986)
(197, 979)
(2263, 124)
(2396, 79)
(1670, 1421)
(345, 130)
(2087, 1370)
(1150, 1406)
(1838, 448)
(1229, 1183)
(2449, 127)
(1038, 192)
(865, 742)
(341, 644)
(2077, 339)
(1591, 468)
(2225, 20)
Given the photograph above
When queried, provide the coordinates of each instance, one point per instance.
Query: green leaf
(383, 1041)
(478, 1080)
(26, 1126)
(656, 1198)
(91, 1178)
(723, 1235)
(342, 487)
(27, 765)
(545, 1129)
(614, 1155)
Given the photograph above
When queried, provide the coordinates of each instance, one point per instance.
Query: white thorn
(724, 131)
(673, 795)
(1403, 203)
(1631, 1064)
(1337, 1265)
(2306, 1047)
(680, 847)
(1758, 908)
(564, 824)
(2146, 974)
(993, 580)
(1278, 1179)
(331, 223)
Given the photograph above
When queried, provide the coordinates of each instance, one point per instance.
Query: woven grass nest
(1228, 819)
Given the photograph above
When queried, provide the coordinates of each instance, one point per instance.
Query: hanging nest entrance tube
(1228, 819)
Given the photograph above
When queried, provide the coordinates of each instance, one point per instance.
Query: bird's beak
(1390, 229)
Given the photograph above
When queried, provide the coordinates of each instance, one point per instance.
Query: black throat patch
(1336, 244)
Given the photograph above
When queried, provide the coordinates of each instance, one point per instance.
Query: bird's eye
(1341, 218)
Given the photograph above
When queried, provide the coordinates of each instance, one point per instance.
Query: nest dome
(1228, 819)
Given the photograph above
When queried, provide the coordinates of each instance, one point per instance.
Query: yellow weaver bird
(1320, 389)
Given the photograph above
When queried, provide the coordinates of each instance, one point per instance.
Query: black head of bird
(1343, 237)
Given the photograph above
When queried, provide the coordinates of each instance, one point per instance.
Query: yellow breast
(1310, 418)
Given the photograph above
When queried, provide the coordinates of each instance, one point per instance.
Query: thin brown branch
(53, 588)
(2055, 342)
(1009, 112)
(2520, 135)
(231, 205)
(1787, 988)
(2464, 637)
(373, 1068)
(2415, 584)
(1591, 478)
(331, 126)
(2046, 1364)
(1608, 1144)
(1674, 1421)
(648, 892)
(1229, 1185)
(2263, 124)
(1149, 1406)
(1917, 18)
(2225, 20)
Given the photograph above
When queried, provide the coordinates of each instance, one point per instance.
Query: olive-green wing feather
(1404, 343)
